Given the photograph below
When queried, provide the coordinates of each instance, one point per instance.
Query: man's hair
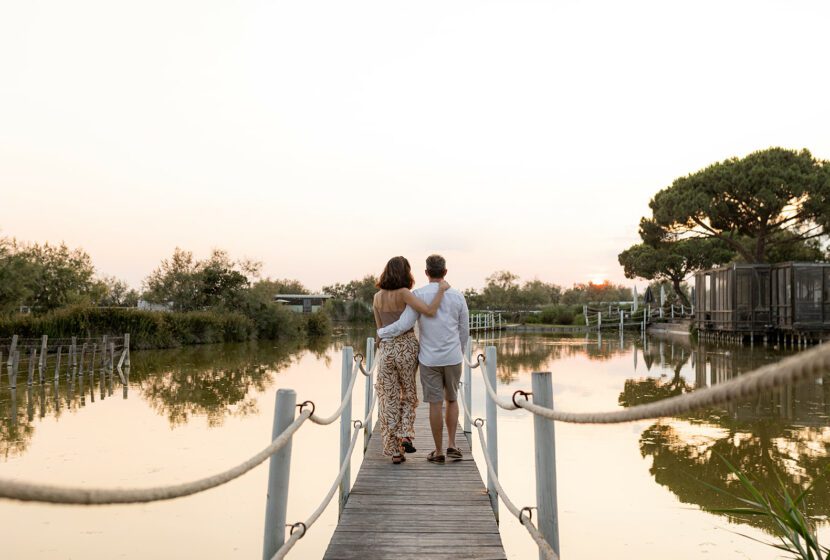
(436, 266)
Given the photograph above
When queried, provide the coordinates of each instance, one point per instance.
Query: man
(443, 338)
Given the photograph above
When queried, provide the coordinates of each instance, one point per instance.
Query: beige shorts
(440, 382)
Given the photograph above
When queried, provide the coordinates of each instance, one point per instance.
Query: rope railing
(479, 360)
(543, 545)
(344, 402)
(36, 492)
(360, 359)
(794, 369)
(299, 529)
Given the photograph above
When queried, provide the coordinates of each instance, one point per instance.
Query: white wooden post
(278, 475)
(545, 454)
(468, 392)
(599, 320)
(345, 425)
(370, 360)
(672, 311)
(622, 321)
(492, 428)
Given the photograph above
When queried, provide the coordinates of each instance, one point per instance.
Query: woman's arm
(429, 310)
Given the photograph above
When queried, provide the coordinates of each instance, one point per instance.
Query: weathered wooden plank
(417, 509)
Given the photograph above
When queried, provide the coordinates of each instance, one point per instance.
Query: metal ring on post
(358, 357)
(478, 422)
(481, 358)
(307, 403)
(522, 393)
(295, 526)
(529, 511)
(357, 424)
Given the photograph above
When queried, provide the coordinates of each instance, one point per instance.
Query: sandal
(406, 443)
(454, 453)
(435, 458)
(398, 459)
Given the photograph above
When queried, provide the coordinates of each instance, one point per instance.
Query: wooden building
(801, 297)
(750, 299)
(733, 298)
(302, 303)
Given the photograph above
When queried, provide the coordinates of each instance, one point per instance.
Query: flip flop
(454, 453)
(433, 458)
(406, 443)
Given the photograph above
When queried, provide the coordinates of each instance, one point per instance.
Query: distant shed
(302, 303)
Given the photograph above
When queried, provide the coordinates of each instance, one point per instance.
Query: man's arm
(403, 324)
(464, 324)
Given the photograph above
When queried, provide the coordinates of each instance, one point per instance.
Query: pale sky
(323, 137)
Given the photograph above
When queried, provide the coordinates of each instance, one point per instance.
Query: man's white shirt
(443, 336)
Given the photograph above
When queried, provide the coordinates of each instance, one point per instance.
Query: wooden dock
(417, 510)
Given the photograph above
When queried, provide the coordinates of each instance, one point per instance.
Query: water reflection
(782, 433)
(213, 382)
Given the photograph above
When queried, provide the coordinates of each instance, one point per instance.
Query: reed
(795, 530)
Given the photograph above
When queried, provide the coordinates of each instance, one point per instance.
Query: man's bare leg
(436, 424)
(452, 422)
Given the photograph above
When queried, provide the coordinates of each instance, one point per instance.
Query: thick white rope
(794, 369)
(31, 492)
(346, 400)
(371, 369)
(306, 525)
(502, 402)
(543, 544)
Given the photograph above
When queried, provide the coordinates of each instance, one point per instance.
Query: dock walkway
(417, 510)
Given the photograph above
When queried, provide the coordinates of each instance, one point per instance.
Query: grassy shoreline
(153, 329)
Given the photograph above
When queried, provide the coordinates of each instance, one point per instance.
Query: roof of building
(301, 296)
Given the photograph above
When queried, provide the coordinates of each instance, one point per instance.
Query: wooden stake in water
(81, 363)
(12, 348)
(32, 358)
(127, 349)
(13, 370)
(58, 364)
(41, 367)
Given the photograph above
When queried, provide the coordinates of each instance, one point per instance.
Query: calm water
(634, 490)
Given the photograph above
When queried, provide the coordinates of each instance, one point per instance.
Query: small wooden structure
(733, 299)
(302, 303)
(801, 297)
(791, 298)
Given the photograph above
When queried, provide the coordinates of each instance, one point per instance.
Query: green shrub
(317, 324)
(559, 314)
(148, 329)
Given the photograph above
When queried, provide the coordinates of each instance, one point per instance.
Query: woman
(398, 357)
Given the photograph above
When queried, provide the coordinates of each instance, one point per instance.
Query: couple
(443, 320)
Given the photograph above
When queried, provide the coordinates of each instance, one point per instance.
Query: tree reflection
(783, 433)
(534, 352)
(214, 382)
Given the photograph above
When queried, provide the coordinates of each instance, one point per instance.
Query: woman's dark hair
(397, 274)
